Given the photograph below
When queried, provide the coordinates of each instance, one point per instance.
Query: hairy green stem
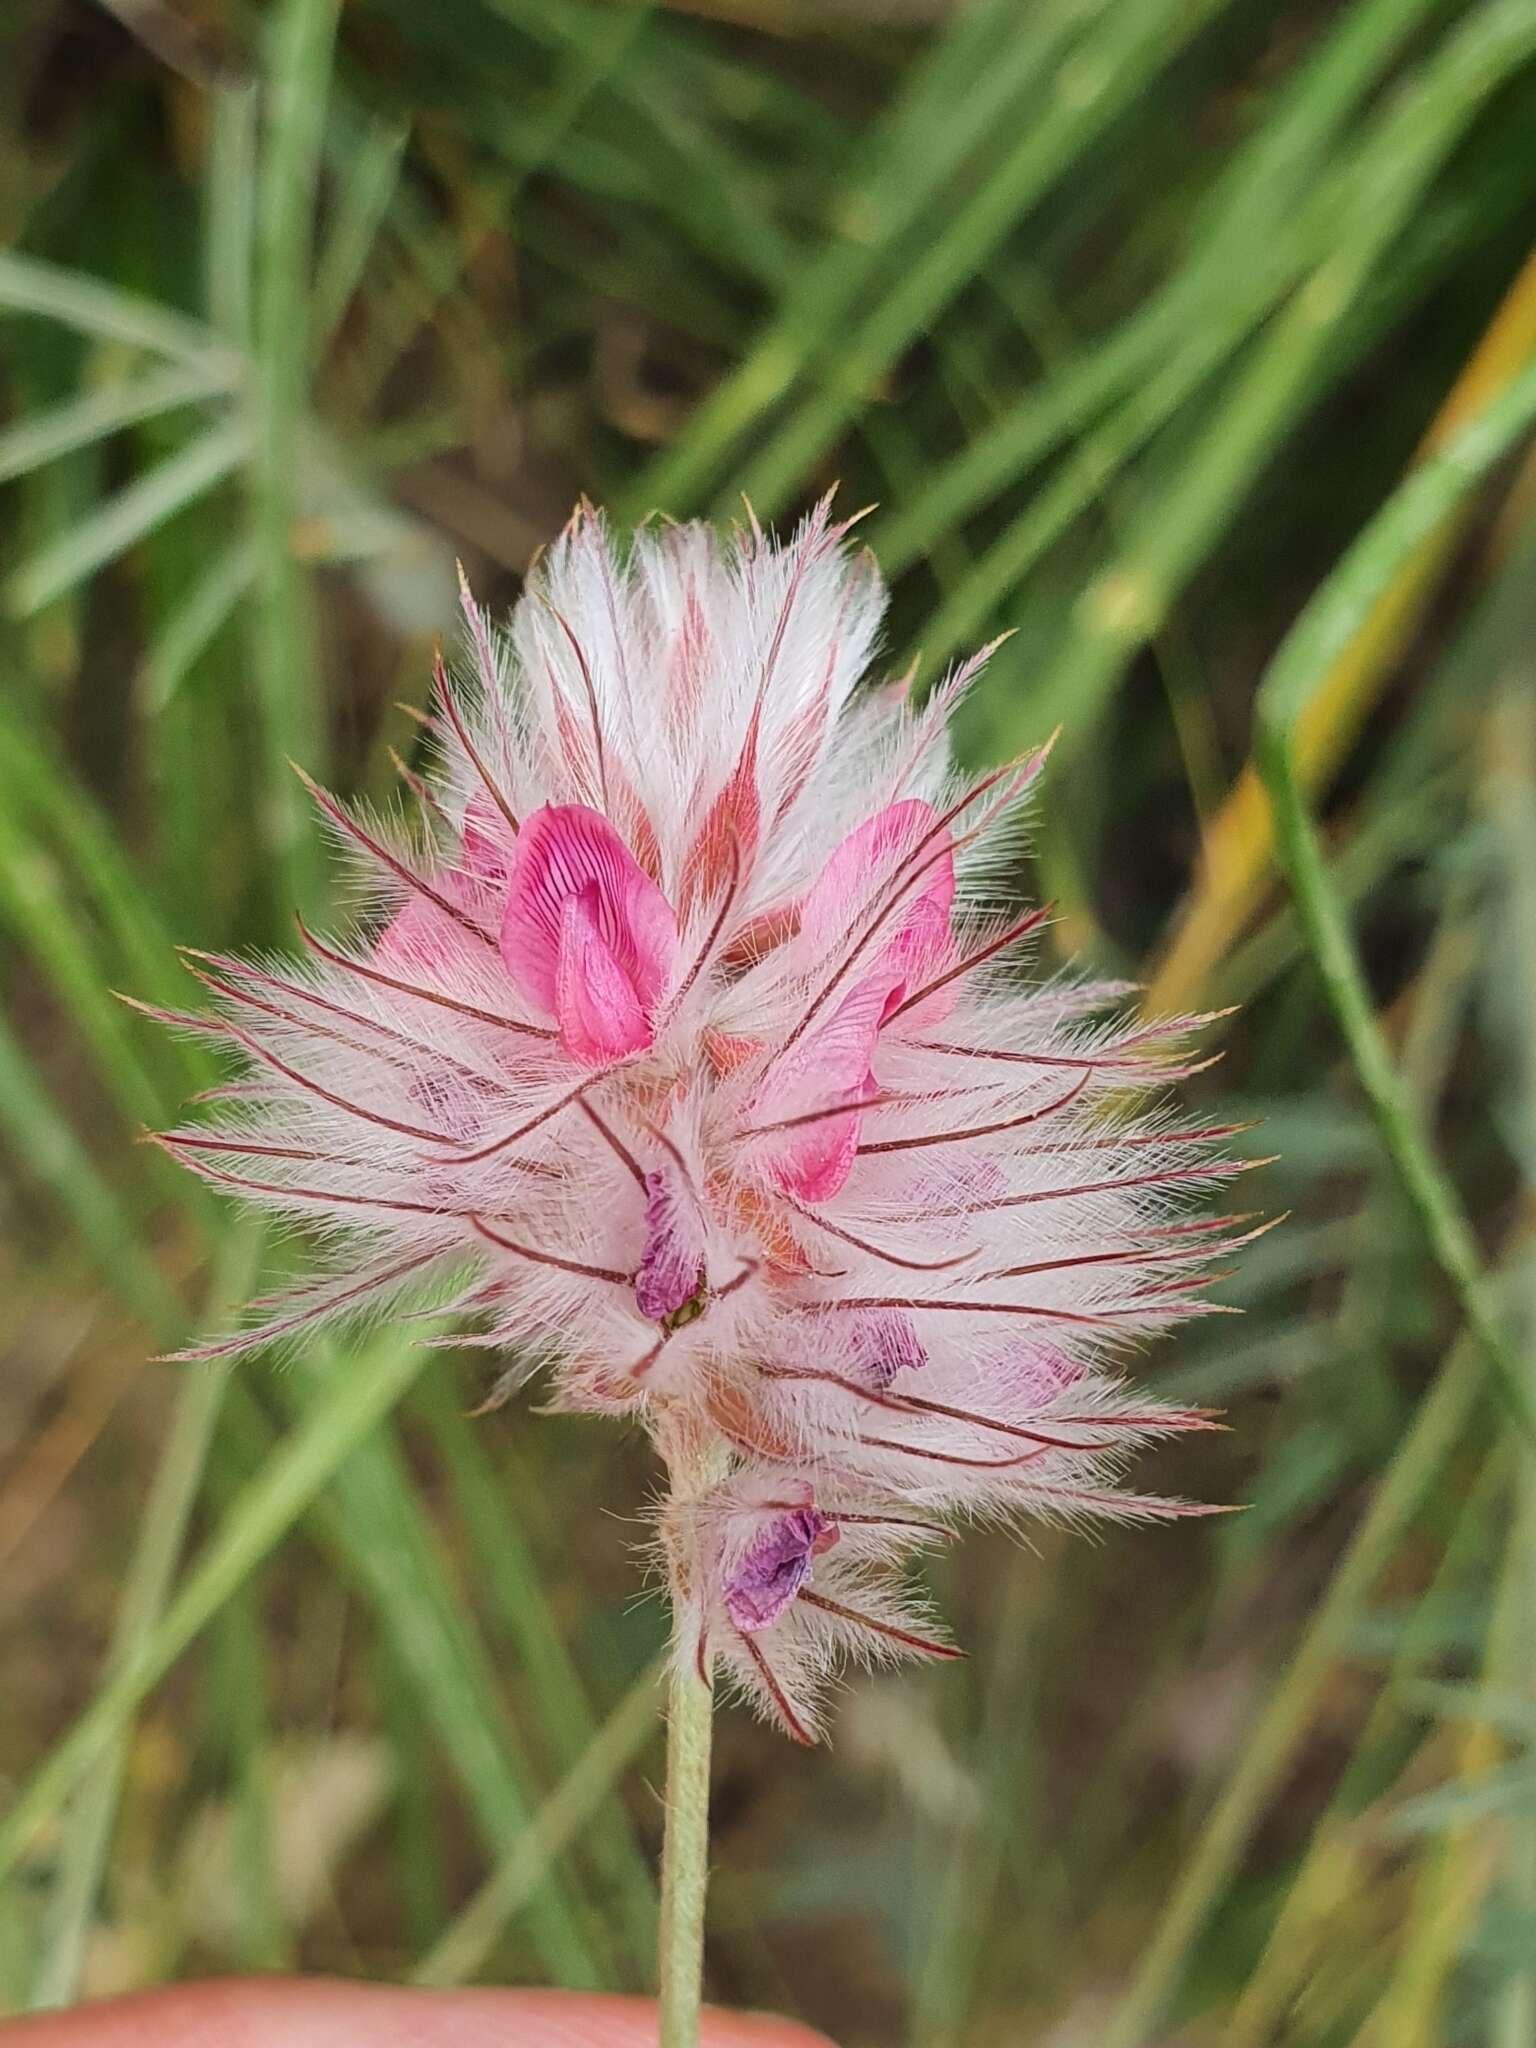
(694, 1464)
(685, 1858)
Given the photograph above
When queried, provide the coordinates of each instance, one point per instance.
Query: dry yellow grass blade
(1239, 843)
(1333, 1879)
(1451, 1888)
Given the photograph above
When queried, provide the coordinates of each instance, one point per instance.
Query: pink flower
(683, 1061)
(586, 935)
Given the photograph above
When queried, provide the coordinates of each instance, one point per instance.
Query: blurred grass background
(1130, 315)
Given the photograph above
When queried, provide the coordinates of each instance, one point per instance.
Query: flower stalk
(685, 1857)
(696, 1463)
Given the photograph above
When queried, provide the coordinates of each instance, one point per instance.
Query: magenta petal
(601, 1017)
(812, 1167)
(774, 1567)
(921, 952)
(827, 1070)
(903, 842)
(671, 1269)
(874, 851)
(585, 933)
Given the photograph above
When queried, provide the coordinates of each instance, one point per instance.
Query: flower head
(682, 1049)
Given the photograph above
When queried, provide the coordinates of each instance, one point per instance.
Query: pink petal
(921, 952)
(867, 868)
(586, 934)
(671, 1270)
(867, 863)
(600, 1015)
(825, 1070)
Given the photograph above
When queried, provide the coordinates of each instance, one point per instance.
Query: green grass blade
(467, 1945)
(516, 1593)
(418, 1859)
(942, 115)
(146, 1586)
(1511, 802)
(36, 784)
(1270, 1747)
(256, 1521)
(229, 217)
(285, 656)
(79, 422)
(1328, 622)
(15, 1950)
(1242, 251)
(1186, 517)
(190, 630)
(1129, 50)
(126, 518)
(714, 200)
(92, 307)
(365, 186)
(1325, 626)
(87, 1828)
(47, 1150)
(237, 1684)
(36, 905)
(379, 1521)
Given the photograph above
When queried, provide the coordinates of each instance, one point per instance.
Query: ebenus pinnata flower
(681, 1056)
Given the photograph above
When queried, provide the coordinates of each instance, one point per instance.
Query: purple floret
(776, 1565)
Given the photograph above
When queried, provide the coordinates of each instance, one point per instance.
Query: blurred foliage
(1128, 315)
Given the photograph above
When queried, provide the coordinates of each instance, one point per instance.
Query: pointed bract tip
(495, 1399)
(1261, 1228)
(972, 664)
(1212, 1059)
